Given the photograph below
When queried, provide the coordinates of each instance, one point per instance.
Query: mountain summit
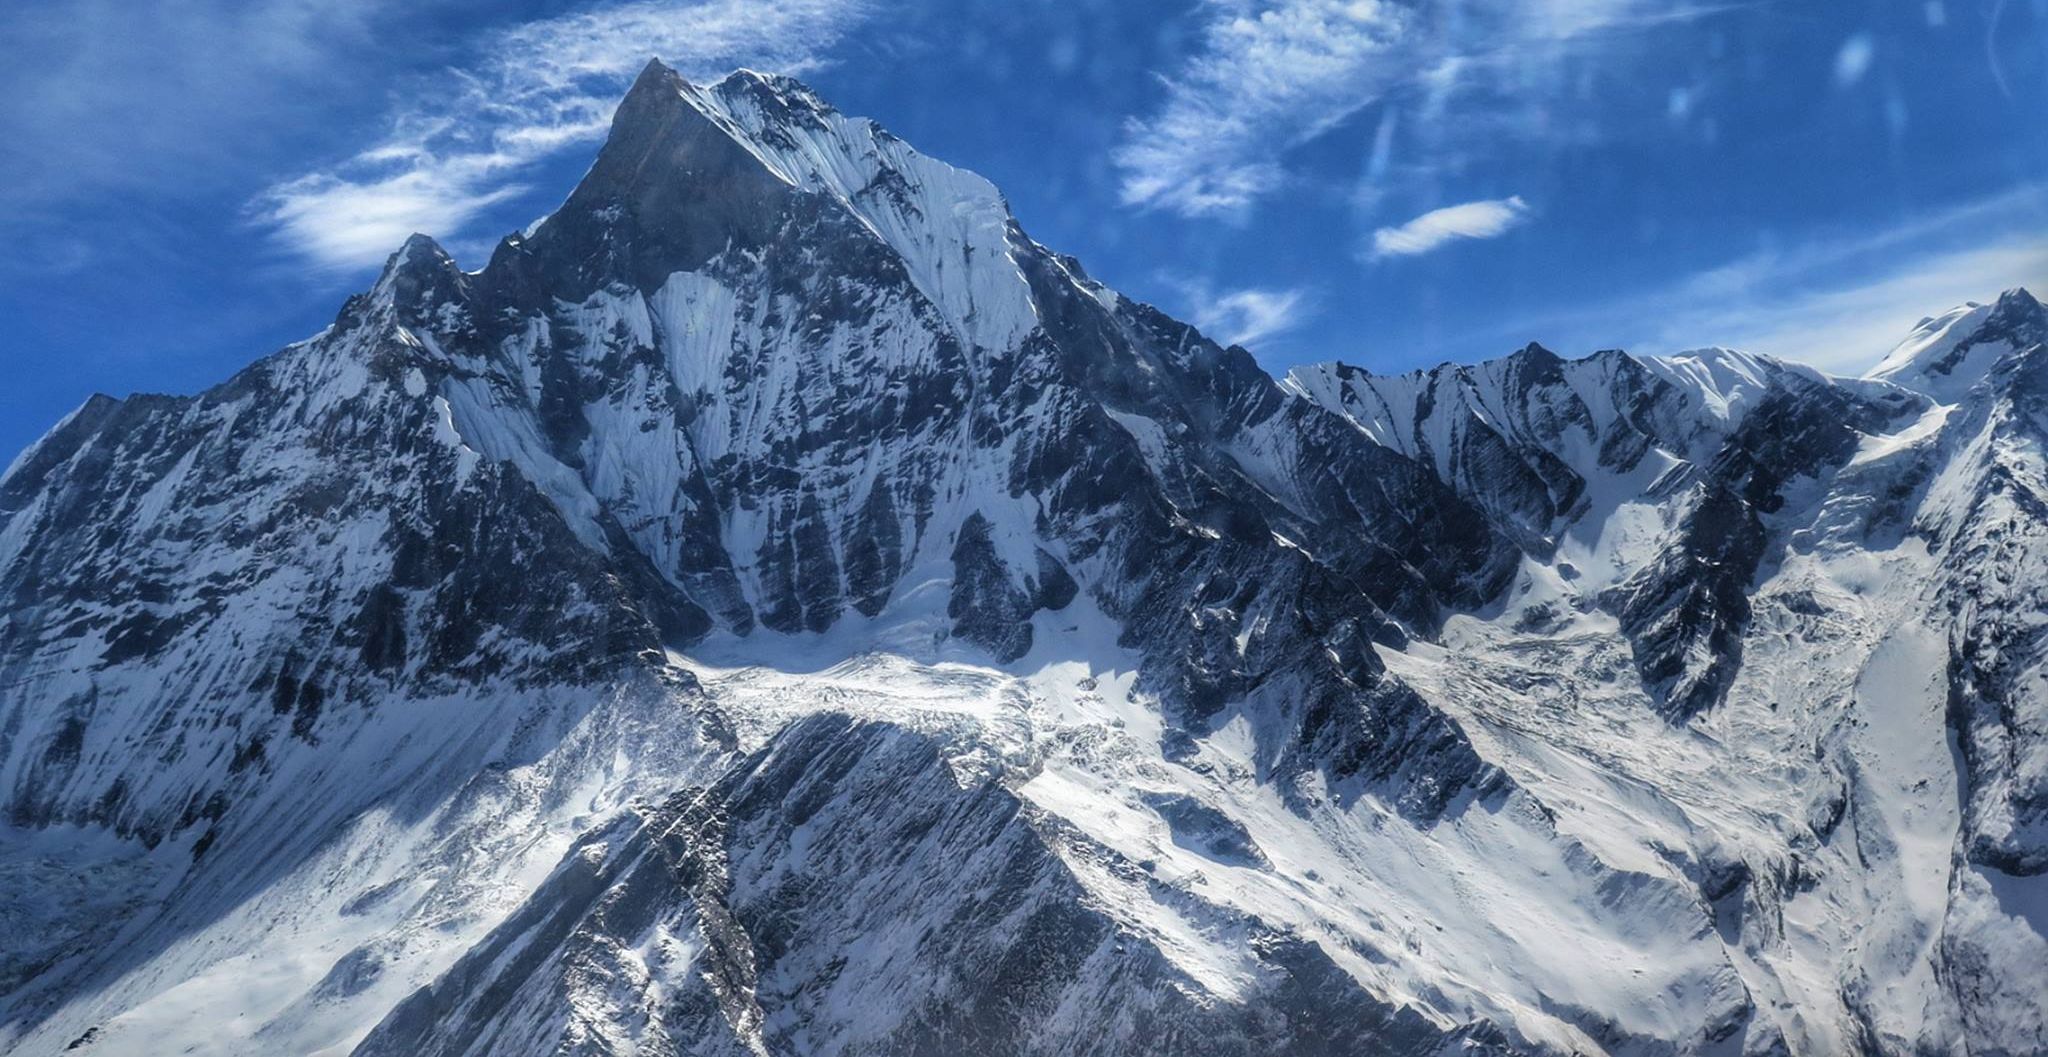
(1947, 354)
(777, 607)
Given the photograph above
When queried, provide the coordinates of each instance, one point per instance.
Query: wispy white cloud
(1249, 316)
(1847, 328)
(1484, 219)
(1270, 75)
(538, 88)
(1238, 315)
(123, 97)
(1854, 58)
(1837, 303)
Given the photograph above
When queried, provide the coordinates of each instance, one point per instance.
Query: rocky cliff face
(775, 606)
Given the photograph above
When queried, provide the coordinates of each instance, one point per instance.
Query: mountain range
(775, 606)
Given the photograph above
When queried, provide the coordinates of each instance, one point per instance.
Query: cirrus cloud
(1270, 75)
(1835, 302)
(537, 88)
(1251, 315)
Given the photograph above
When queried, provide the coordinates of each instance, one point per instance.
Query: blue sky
(189, 184)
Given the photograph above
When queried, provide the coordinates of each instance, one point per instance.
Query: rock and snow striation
(776, 607)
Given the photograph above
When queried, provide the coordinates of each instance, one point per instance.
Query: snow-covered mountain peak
(2022, 303)
(696, 170)
(1531, 436)
(675, 184)
(1727, 381)
(418, 249)
(779, 98)
(419, 277)
(1948, 354)
(952, 227)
